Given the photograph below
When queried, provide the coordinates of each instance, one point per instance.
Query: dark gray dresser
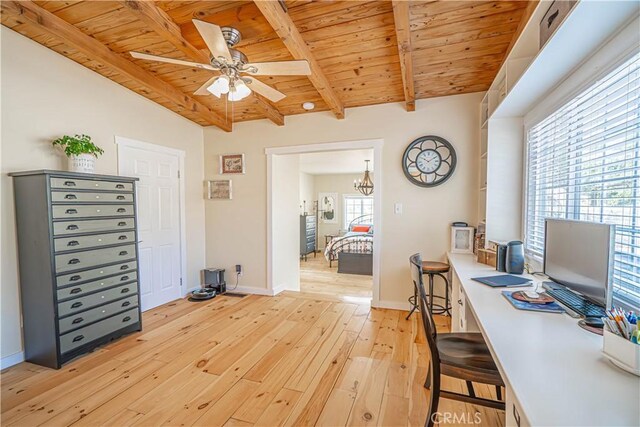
(77, 247)
(307, 235)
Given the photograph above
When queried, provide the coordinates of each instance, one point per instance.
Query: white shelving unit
(530, 72)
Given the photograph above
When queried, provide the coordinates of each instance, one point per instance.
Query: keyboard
(576, 303)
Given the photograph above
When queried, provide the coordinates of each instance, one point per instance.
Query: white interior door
(158, 221)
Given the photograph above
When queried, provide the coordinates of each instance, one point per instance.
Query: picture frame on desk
(462, 240)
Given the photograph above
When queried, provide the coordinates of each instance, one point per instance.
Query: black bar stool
(433, 268)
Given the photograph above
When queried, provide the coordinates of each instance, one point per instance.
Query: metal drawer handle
(74, 278)
(70, 196)
(78, 338)
(73, 243)
(123, 278)
(72, 227)
(126, 303)
(126, 319)
(123, 253)
(460, 301)
(123, 237)
(76, 290)
(71, 211)
(124, 291)
(74, 261)
(76, 304)
(122, 224)
(121, 210)
(120, 198)
(77, 320)
(120, 186)
(69, 183)
(124, 267)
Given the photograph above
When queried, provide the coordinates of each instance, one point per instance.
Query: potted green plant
(82, 153)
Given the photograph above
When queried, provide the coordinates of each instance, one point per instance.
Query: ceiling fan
(233, 66)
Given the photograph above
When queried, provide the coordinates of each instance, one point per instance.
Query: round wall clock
(429, 161)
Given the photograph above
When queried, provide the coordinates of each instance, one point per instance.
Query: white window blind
(356, 206)
(584, 164)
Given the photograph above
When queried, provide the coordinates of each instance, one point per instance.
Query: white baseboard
(11, 360)
(392, 305)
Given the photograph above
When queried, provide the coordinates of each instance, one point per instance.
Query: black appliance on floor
(212, 283)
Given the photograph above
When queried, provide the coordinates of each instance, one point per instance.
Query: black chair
(459, 355)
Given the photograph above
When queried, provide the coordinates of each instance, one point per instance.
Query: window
(584, 164)
(355, 206)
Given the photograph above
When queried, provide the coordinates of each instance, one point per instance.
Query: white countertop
(555, 368)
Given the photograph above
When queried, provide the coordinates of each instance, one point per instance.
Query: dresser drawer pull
(123, 237)
(72, 227)
(123, 253)
(124, 267)
(78, 338)
(460, 301)
(126, 303)
(120, 198)
(76, 290)
(69, 183)
(123, 278)
(70, 196)
(121, 210)
(119, 186)
(73, 243)
(124, 291)
(126, 319)
(77, 320)
(75, 278)
(74, 261)
(122, 224)
(71, 211)
(76, 304)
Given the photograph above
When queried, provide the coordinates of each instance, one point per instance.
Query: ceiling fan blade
(265, 90)
(202, 90)
(140, 55)
(212, 36)
(281, 68)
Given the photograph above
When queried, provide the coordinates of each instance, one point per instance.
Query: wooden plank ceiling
(366, 53)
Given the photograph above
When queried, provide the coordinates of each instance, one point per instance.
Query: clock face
(429, 161)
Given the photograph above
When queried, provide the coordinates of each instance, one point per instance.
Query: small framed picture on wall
(462, 240)
(232, 164)
(219, 189)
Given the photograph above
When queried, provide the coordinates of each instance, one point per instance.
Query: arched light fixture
(365, 185)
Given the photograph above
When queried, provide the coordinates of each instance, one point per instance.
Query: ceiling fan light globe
(239, 91)
(220, 86)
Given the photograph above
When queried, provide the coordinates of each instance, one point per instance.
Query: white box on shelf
(621, 352)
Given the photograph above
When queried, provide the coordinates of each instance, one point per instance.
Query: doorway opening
(323, 233)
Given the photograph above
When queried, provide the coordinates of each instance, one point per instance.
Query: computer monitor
(579, 255)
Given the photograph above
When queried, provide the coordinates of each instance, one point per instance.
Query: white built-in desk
(554, 370)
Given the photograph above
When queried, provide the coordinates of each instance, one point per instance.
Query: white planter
(82, 163)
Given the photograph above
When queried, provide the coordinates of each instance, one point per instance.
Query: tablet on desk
(503, 281)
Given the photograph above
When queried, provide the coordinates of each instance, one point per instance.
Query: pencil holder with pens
(621, 352)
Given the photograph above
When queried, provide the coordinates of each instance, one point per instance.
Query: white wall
(44, 95)
(236, 231)
(341, 184)
(307, 192)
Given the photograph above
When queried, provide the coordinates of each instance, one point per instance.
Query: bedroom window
(584, 164)
(356, 206)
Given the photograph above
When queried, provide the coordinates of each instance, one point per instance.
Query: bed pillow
(361, 228)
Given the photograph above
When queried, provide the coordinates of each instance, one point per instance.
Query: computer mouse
(594, 322)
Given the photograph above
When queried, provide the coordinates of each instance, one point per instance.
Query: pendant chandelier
(364, 185)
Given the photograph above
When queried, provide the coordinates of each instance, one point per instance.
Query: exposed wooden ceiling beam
(403, 36)
(162, 24)
(290, 36)
(33, 14)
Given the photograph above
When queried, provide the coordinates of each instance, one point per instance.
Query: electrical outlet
(239, 269)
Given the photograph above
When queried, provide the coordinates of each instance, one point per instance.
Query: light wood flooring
(317, 277)
(293, 359)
